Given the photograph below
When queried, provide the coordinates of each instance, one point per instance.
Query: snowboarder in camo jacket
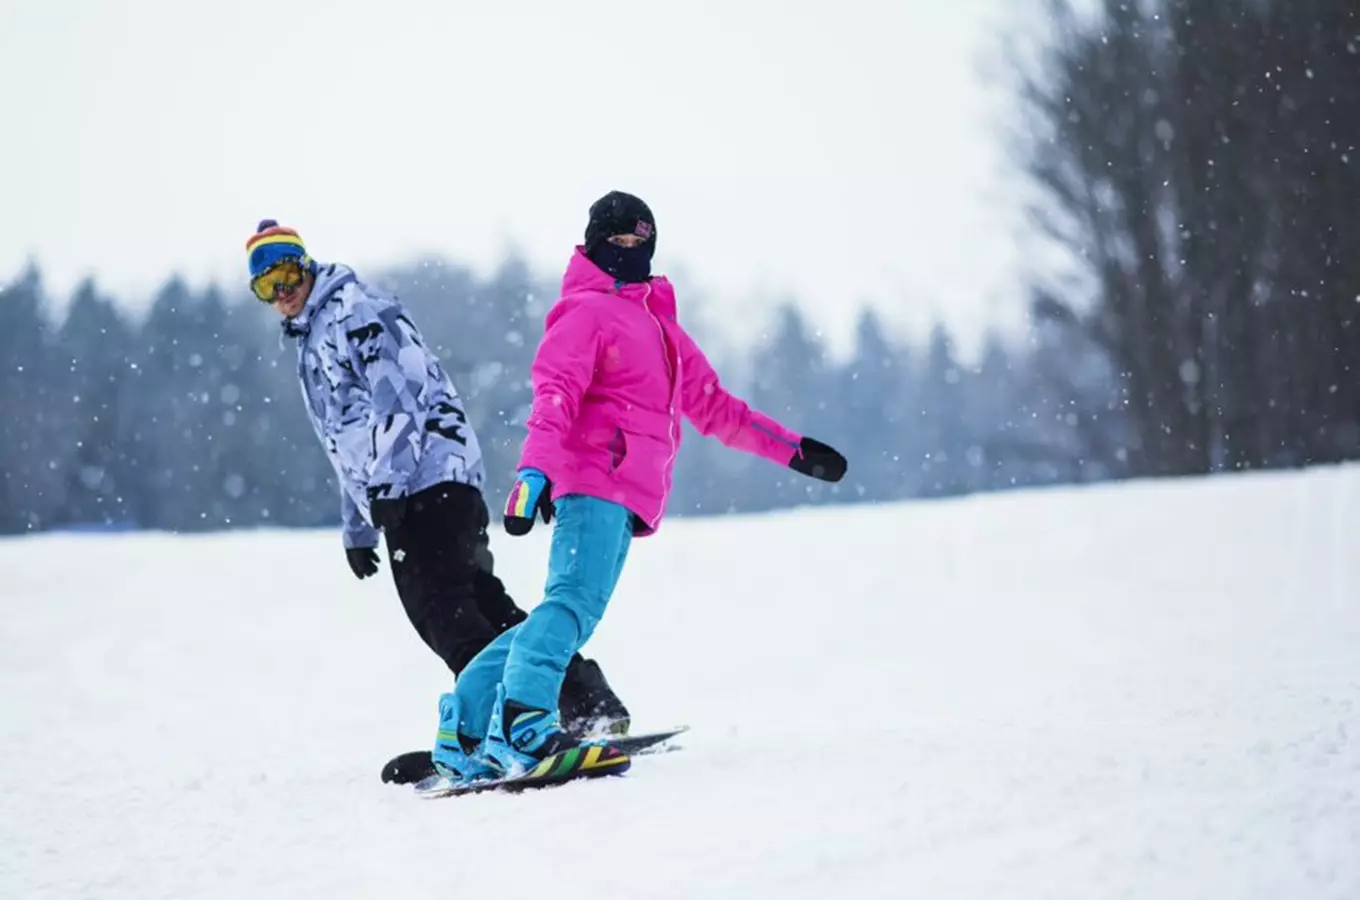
(408, 462)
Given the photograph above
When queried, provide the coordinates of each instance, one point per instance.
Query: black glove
(818, 460)
(387, 512)
(362, 560)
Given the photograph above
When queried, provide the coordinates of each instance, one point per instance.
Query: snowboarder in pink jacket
(613, 376)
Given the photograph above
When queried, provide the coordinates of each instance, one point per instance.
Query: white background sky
(786, 149)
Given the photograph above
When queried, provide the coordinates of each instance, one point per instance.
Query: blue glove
(531, 495)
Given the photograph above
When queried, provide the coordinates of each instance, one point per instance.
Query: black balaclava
(620, 213)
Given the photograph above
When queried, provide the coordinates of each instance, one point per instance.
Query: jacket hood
(330, 277)
(583, 276)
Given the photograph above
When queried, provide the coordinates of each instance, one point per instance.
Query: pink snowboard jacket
(612, 377)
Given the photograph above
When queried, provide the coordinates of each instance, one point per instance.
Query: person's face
(627, 240)
(285, 287)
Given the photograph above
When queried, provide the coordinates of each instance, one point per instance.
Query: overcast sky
(786, 149)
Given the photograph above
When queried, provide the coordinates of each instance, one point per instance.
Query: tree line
(189, 416)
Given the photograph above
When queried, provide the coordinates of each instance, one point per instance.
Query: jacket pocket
(618, 450)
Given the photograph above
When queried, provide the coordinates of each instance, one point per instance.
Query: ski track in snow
(1146, 690)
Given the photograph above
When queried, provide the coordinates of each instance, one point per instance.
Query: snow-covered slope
(1144, 690)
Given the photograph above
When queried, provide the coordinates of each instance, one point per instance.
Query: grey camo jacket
(387, 415)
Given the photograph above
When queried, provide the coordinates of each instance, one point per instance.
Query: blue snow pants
(589, 546)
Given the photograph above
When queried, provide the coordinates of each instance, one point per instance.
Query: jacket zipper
(670, 400)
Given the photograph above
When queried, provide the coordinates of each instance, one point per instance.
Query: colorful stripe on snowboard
(578, 761)
(570, 765)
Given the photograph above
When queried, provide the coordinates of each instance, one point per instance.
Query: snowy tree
(1193, 162)
(93, 344)
(873, 417)
(36, 444)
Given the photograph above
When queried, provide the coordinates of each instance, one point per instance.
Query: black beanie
(619, 213)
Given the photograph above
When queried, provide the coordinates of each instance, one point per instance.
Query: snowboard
(415, 766)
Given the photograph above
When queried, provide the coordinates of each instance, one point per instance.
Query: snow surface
(1147, 690)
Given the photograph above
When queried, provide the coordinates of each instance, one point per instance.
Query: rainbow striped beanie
(271, 244)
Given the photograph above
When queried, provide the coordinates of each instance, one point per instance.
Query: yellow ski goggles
(284, 277)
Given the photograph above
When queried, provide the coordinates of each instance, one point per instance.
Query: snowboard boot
(529, 744)
(520, 737)
(590, 708)
(456, 756)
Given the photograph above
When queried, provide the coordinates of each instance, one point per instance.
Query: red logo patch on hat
(643, 229)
